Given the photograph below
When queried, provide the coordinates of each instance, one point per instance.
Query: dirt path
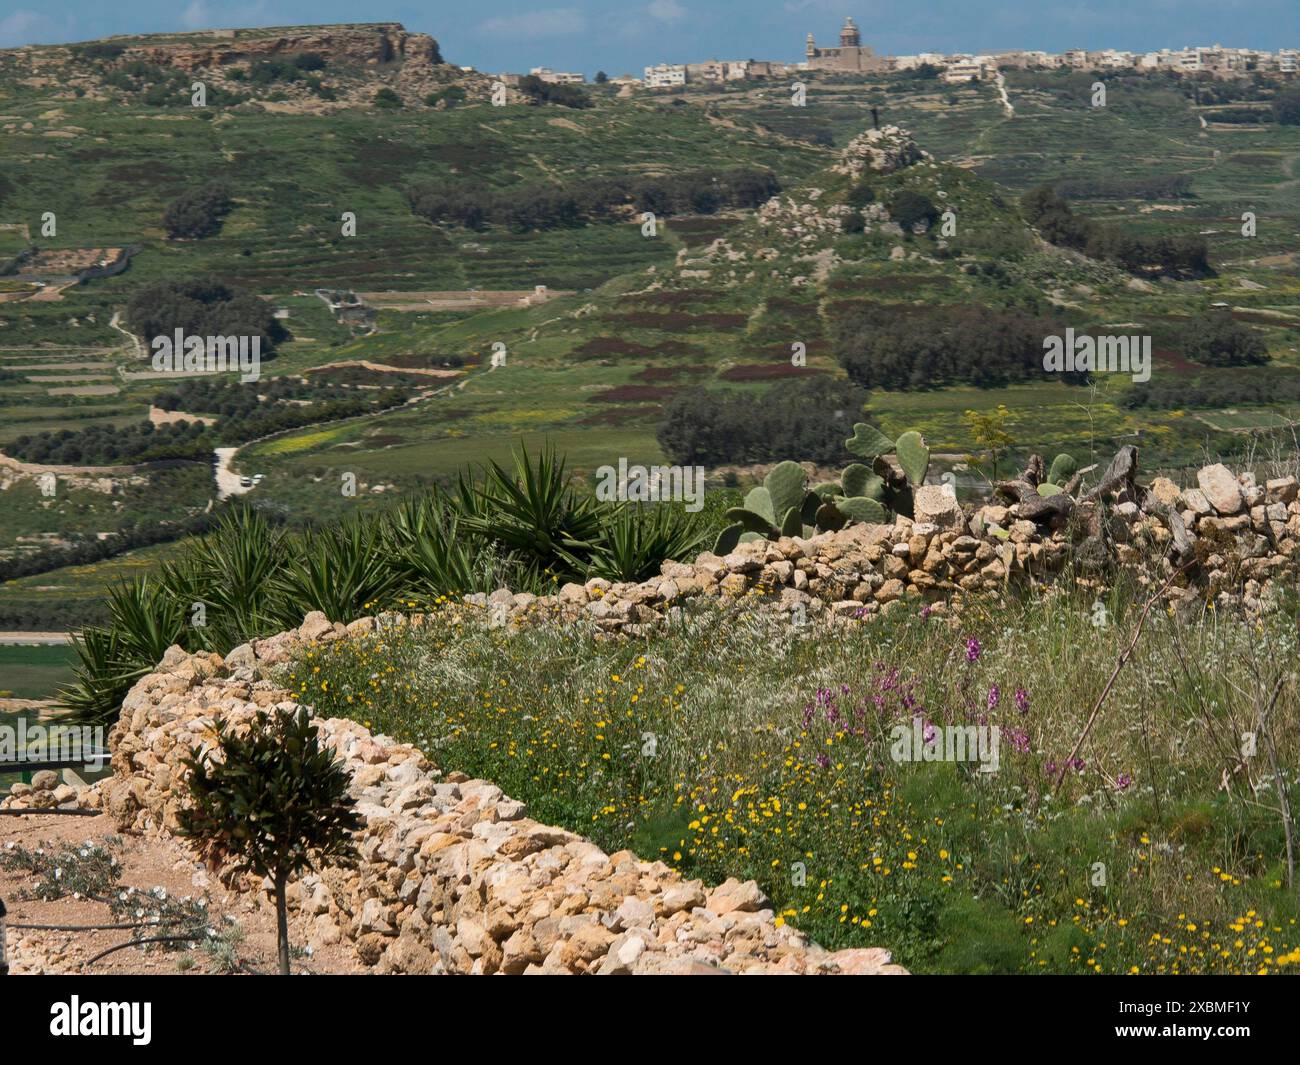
(135, 340)
(1001, 82)
(246, 922)
(34, 638)
(227, 479)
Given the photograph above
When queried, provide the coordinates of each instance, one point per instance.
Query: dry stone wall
(454, 876)
(1232, 542)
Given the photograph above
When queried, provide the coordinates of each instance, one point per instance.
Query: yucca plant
(435, 558)
(144, 621)
(636, 539)
(343, 571)
(233, 571)
(534, 513)
(101, 678)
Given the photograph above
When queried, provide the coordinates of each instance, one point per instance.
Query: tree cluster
(1052, 216)
(1161, 187)
(198, 213)
(537, 91)
(534, 207)
(1218, 339)
(1269, 386)
(1286, 106)
(202, 307)
(805, 421)
(99, 445)
(896, 348)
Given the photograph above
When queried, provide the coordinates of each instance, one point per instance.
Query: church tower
(810, 49)
(849, 36)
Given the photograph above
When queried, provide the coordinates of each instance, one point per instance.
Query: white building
(966, 67)
(556, 77)
(665, 76)
(1288, 60)
(1113, 60)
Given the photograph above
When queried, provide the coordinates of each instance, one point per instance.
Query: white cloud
(669, 12)
(555, 22)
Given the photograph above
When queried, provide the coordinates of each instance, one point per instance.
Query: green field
(34, 672)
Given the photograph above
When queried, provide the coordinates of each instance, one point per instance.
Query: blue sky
(624, 35)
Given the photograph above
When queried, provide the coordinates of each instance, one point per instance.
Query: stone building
(850, 57)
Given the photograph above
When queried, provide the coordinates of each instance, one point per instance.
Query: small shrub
(274, 803)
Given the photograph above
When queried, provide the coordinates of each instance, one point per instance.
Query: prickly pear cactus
(1063, 468)
(913, 457)
(868, 442)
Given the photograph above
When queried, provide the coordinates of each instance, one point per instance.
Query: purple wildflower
(972, 649)
(1018, 738)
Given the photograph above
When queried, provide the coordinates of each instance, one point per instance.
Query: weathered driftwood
(1051, 508)
(1182, 539)
(1119, 475)
(1071, 486)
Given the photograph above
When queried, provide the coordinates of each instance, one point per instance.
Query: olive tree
(270, 800)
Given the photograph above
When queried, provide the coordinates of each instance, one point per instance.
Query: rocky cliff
(364, 43)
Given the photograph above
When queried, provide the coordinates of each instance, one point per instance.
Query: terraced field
(647, 319)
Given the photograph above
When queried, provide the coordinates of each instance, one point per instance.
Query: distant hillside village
(851, 56)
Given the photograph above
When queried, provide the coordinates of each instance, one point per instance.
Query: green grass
(707, 744)
(34, 672)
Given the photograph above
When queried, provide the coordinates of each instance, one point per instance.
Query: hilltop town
(851, 56)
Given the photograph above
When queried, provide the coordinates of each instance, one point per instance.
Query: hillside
(307, 127)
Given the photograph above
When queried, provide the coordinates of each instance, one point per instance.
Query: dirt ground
(147, 863)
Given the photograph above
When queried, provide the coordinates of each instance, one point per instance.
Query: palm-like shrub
(233, 573)
(144, 620)
(536, 514)
(437, 557)
(341, 571)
